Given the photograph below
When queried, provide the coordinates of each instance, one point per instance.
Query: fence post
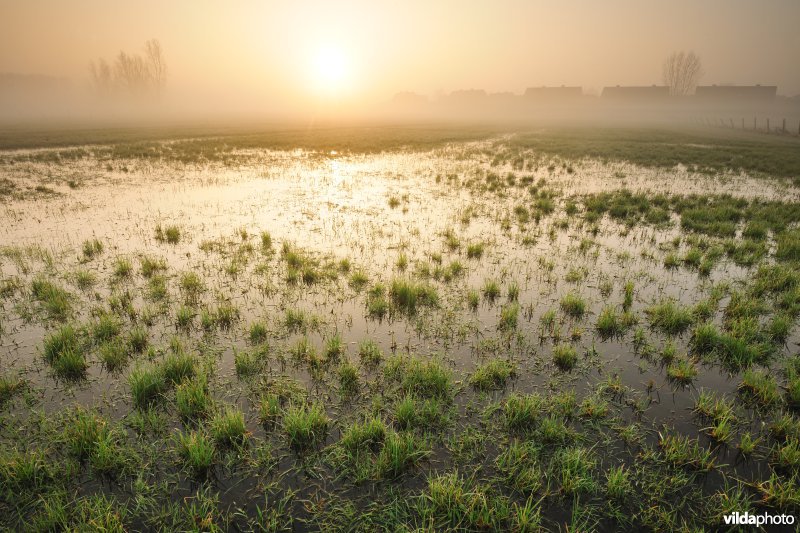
(754, 123)
(767, 125)
(784, 125)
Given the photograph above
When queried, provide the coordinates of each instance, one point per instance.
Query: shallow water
(337, 206)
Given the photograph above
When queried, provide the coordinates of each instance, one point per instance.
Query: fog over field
(310, 60)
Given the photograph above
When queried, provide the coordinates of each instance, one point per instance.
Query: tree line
(138, 75)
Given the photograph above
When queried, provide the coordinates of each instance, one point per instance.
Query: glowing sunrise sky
(269, 53)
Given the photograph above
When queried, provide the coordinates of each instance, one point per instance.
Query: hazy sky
(257, 51)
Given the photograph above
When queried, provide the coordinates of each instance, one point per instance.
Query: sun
(330, 69)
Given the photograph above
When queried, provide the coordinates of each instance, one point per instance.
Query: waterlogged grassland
(478, 336)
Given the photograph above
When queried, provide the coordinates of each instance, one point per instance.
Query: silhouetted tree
(132, 74)
(156, 66)
(682, 71)
(102, 78)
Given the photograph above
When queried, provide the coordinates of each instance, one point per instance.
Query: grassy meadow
(398, 329)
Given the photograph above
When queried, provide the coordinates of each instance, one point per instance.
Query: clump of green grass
(348, 378)
(408, 295)
(269, 409)
(747, 444)
(64, 353)
(671, 260)
(157, 288)
(669, 318)
(84, 279)
(377, 306)
(151, 266)
(138, 339)
(788, 246)
(682, 370)
(305, 426)
(720, 413)
(609, 323)
(191, 286)
(107, 327)
(358, 280)
(113, 354)
(258, 332)
(184, 317)
(122, 268)
(246, 363)
(452, 503)
(522, 412)
(492, 375)
(192, 398)
(575, 470)
(402, 262)
(295, 320)
(618, 483)
(473, 299)
(685, 452)
(785, 426)
(565, 356)
(178, 366)
(369, 352)
(83, 431)
(22, 472)
(364, 437)
(147, 384)
(793, 389)
(64, 340)
(760, 387)
(451, 239)
(304, 351)
(508, 317)
(400, 452)
(9, 386)
(628, 298)
(491, 290)
(266, 241)
(425, 379)
(427, 414)
(228, 428)
(513, 291)
(225, 315)
(573, 305)
(54, 300)
(196, 451)
(519, 464)
(169, 234)
(91, 249)
(334, 348)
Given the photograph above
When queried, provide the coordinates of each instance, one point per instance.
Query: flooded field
(476, 335)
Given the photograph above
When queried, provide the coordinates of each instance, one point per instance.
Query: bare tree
(682, 71)
(156, 66)
(102, 78)
(132, 74)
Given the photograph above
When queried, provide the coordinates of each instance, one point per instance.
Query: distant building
(553, 94)
(636, 95)
(727, 94)
(468, 95)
